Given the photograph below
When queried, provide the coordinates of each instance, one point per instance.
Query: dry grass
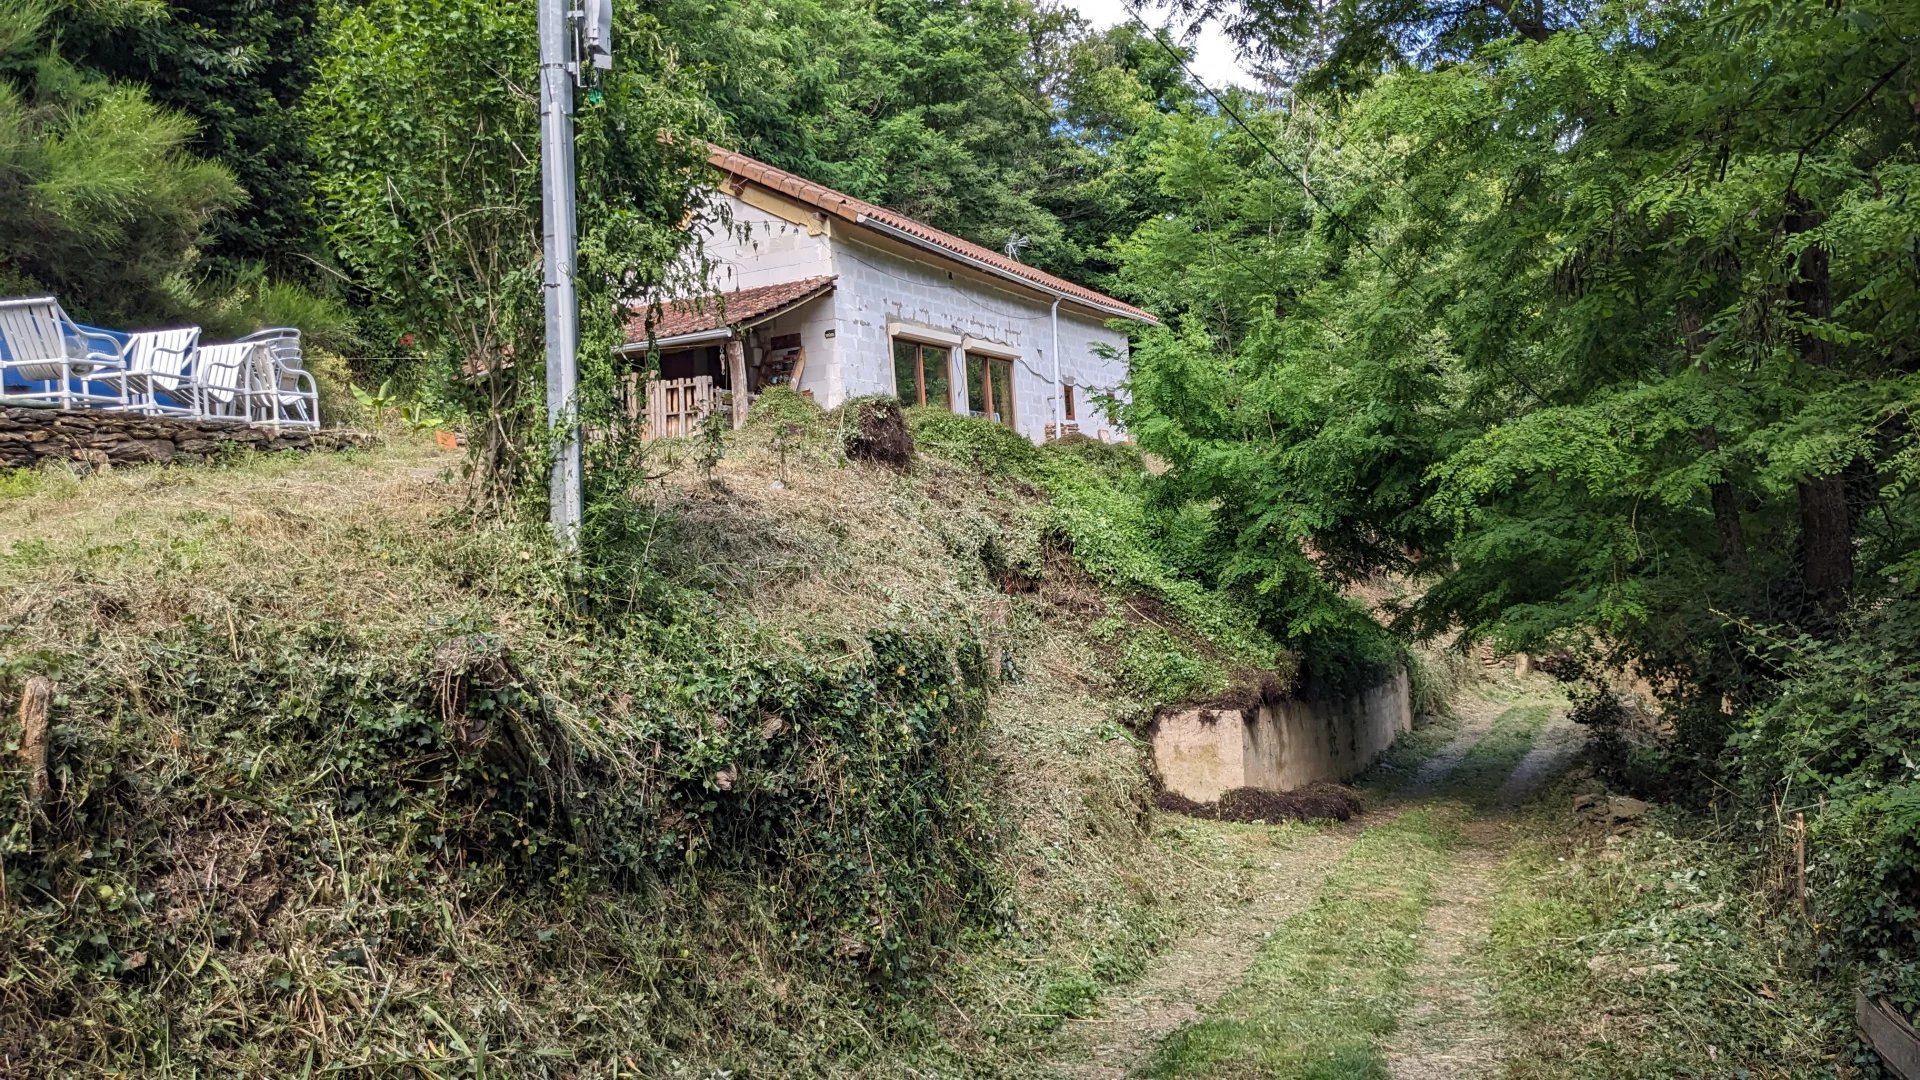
(96, 568)
(329, 538)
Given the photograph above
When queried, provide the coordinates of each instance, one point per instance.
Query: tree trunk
(1826, 525)
(1826, 541)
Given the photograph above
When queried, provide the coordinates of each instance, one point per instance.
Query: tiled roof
(676, 318)
(860, 212)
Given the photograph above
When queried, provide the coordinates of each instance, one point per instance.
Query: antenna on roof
(1016, 243)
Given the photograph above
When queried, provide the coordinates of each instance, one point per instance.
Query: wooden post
(36, 701)
(737, 375)
(1800, 860)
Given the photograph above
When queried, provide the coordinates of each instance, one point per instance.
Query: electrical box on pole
(596, 34)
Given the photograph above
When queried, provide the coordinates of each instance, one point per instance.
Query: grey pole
(557, 220)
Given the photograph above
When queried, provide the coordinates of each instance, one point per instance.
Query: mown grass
(1660, 952)
(1328, 983)
(351, 932)
(1480, 774)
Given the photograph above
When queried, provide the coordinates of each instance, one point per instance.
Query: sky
(1218, 63)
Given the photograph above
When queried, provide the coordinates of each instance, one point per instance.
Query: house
(841, 298)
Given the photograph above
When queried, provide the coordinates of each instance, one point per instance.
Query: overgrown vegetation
(408, 793)
(1652, 953)
(1595, 322)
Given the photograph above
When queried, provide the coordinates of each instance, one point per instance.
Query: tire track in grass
(1328, 987)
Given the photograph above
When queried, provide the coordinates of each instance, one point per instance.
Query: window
(990, 387)
(1066, 401)
(920, 373)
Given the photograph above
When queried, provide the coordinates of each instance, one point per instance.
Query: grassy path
(1378, 975)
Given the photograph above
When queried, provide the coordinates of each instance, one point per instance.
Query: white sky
(1218, 63)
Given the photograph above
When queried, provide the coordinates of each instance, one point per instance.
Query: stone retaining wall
(30, 435)
(1280, 745)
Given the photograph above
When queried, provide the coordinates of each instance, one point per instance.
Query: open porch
(687, 358)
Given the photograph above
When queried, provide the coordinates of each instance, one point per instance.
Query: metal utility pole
(557, 72)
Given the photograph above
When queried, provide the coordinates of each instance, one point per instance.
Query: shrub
(974, 443)
(1839, 740)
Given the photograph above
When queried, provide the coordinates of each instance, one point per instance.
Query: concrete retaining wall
(1280, 745)
(30, 435)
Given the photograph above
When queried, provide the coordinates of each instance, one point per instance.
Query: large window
(990, 387)
(920, 373)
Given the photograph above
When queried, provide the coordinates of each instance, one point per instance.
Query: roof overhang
(727, 331)
(905, 236)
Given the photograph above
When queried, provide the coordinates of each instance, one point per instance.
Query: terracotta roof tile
(860, 212)
(674, 318)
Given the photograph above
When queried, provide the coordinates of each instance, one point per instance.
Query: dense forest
(1596, 321)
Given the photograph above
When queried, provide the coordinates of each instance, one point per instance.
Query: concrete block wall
(1279, 746)
(880, 291)
(756, 247)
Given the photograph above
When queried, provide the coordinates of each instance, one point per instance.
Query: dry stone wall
(30, 436)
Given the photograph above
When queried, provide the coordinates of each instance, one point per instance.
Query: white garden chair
(43, 345)
(229, 380)
(292, 397)
(158, 362)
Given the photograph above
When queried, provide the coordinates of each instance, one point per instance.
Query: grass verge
(1659, 953)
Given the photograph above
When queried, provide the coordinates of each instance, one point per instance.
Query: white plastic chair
(288, 387)
(227, 380)
(44, 345)
(158, 363)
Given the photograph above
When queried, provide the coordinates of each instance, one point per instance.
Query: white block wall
(760, 248)
(879, 290)
(847, 333)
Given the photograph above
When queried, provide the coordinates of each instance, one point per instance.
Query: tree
(426, 115)
(995, 120)
(238, 68)
(101, 200)
(1613, 326)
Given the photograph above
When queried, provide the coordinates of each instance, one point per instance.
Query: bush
(973, 443)
(1839, 740)
(778, 406)
(209, 800)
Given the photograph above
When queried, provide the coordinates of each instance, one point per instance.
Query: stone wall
(30, 435)
(1280, 745)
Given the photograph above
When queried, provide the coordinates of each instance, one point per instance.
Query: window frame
(987, 360)
(921, 347)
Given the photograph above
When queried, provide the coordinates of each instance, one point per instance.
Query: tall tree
(238, 68)
(101, 199)
(1614, 327)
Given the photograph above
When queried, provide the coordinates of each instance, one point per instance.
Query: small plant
(786, 439)
(378, 403)
(710, 443)
(418, 417)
